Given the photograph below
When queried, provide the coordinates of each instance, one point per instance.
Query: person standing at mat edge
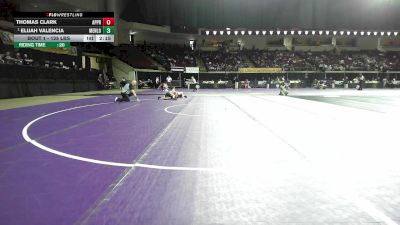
(361, 81)
(127, 90)
(158, 83)
(195, 84)
(169, 81)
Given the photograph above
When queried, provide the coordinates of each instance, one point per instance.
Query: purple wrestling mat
(217, 157)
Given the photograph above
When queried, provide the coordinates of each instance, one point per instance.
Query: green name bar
(42, 45)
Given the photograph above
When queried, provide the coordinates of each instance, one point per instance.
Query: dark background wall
(25, 81)
(305, 14)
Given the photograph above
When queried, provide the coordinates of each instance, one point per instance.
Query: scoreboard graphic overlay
(59, 29)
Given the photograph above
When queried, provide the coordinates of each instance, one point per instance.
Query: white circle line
(95, 161)
(182, 114)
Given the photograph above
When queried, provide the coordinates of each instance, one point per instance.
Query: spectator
(74, 66)
(46, 64)
(18, 59)
(26, 60)
(62, 66)
(8, 59)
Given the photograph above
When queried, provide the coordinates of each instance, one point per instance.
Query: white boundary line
(95, 161)
(182, 114)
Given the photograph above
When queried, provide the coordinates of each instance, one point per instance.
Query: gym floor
(217, 157)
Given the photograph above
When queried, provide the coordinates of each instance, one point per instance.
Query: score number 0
(108, 21)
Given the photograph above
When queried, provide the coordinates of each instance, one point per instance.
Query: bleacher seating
(326, 61)
(169, 55)
(133, 56)
(223, 60)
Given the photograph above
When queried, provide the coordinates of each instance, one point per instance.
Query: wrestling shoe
(116, 98)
